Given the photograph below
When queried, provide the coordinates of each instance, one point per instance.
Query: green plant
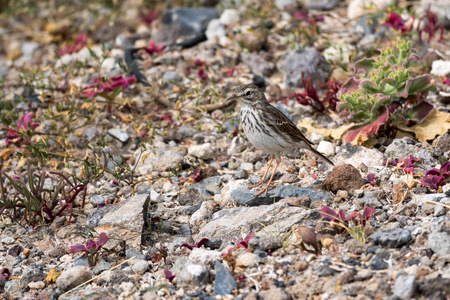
(354, 224)
(389, 93)
(92, 248)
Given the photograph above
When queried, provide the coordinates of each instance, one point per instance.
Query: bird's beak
(232, 98)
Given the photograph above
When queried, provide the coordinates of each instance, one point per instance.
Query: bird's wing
(285, 125)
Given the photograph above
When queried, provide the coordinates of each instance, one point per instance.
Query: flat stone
(126, 220)
(234, 223)
(245, 196)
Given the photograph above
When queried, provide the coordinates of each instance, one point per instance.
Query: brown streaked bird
(268, 129)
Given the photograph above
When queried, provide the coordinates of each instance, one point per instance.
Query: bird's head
(248, 94)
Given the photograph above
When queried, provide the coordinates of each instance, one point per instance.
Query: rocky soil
(190, 180)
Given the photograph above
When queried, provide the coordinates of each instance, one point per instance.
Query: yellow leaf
(437, 123)
(22, 162)
(86, 105)
(5, 153)
(335, 133)
(127, 119)
(326, 242)
(53, 274)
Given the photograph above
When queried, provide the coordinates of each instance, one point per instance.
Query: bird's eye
(247, 94)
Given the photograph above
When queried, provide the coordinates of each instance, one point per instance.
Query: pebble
(119, 134)
(192, 276)
(73, 277)
(203, 151)
(393, 239)
(404, 286)
(326, 148)
(140, 266)
(36, 285)
(224, 282)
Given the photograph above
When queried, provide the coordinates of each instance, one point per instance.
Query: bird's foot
(258, 184)
(265, 189)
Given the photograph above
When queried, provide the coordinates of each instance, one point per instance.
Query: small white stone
(326, 148)
(247, 166)
(440, 67)
(229, 17)
(36, 285)
(215, 29)
(203, 151)
(316, 138)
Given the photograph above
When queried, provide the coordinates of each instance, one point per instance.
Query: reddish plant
(80, 43)
(244, 243)
(309, 97)
(431, 26)
(23, 130)
(5, 273)
(92, 248)
(305, 16)
(149, 17)
(169, 276)
(198, 245)
(232, 72)
(435, 178)
(407, 164)
(152, 48)
(372, 179)
(340, 217)
(109, 88)
(199, 62)
(201, 74)
(395, 21)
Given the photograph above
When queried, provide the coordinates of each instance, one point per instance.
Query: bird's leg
(268, 186)
(264, 177)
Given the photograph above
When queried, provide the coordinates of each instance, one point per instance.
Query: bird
(268, 129)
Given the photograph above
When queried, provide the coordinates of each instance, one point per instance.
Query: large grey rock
(234, 223)
(295, 62)
(245, 196)
(126, 220)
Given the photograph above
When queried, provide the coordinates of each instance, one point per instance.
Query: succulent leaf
(364, 65)
(386, 90)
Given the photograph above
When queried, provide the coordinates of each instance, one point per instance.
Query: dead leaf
(127, 119)
(53, 274)
(437, 123)
(335, 133)
(5, 153)
(22, 162)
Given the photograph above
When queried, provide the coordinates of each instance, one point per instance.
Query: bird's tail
(321, 156)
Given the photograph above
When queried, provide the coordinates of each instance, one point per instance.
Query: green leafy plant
(389, 93)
